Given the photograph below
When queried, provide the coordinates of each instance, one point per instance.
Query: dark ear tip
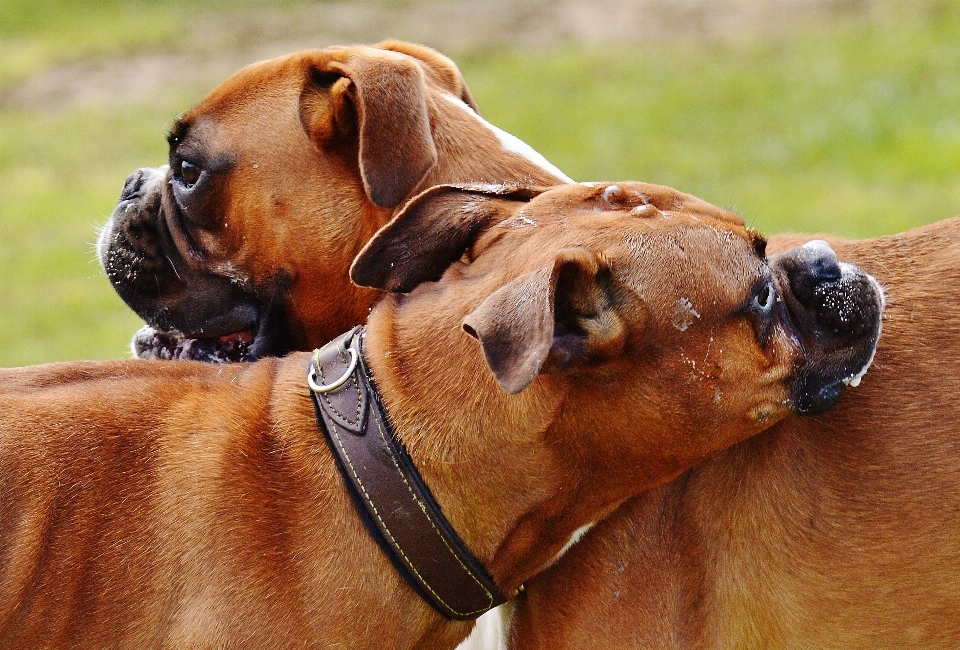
(431, 232)
(514, 385)
(362, 274)
(367, 271)
(385, 195)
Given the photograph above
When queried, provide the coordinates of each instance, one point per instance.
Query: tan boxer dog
(195, 505)
(239, 247)
(841, 531)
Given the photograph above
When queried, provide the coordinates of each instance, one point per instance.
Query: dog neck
(388, 491)
(494, 152)
(491, 459)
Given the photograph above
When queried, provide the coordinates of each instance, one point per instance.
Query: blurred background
(820, 116)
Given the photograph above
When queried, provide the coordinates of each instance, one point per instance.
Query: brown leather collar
(387, 490)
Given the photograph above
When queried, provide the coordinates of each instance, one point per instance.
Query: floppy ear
(442, 70)
(556, 320)
(382, 100)
(432, 232)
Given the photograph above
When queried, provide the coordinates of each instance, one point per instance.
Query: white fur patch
(514, 144)
(848, 270)
(490, 632)
(104, 239)
(576, 537)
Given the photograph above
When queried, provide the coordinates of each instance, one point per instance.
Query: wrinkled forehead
(628, 208)
(658, 240)
(247, 111)
(263, 86)
(707, 263)
(637, 199)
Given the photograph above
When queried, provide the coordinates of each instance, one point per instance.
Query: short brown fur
(839, 532)
(191, 505)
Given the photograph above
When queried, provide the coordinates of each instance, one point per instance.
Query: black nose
(133, 185)
(816, 265)
(817, 283)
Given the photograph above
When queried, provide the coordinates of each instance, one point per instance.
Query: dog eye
(187, 172)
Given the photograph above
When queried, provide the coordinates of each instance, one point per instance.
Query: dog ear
(441, 70)
(559, 319)
(432, 232)
(382, 100)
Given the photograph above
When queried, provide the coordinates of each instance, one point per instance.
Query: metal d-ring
(326, 388)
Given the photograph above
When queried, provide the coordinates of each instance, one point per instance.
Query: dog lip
(179, 224)
(823, 400)
(228, 336)
(152, 344)
(784, 318)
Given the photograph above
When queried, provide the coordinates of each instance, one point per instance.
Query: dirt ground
(216, 44)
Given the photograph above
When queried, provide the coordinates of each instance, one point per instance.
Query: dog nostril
(817, 267)
(132, 186)
(825, 269)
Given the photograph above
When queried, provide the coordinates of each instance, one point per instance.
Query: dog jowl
(239, 247)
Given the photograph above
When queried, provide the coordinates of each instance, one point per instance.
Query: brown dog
(834, 532)
(239, 247)
(192, 505)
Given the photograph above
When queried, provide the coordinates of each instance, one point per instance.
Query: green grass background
(849, 125)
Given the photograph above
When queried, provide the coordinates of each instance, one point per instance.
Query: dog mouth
(242, 332)
(154, 345)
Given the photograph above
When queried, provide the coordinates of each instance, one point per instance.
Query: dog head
(660, 312)
(238, 248)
